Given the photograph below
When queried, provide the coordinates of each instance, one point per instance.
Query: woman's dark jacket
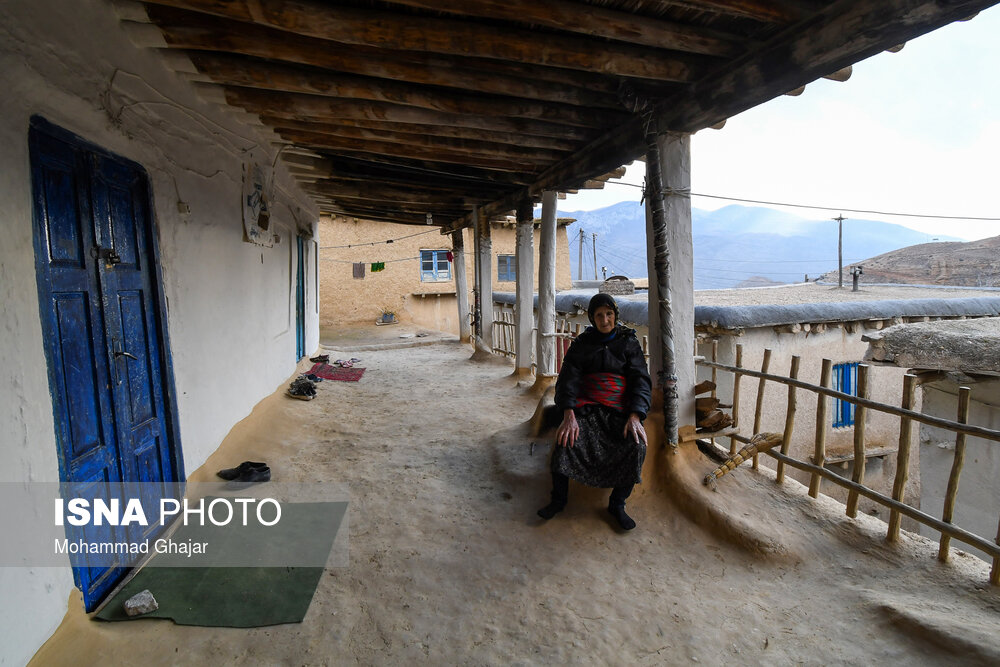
(592, 353)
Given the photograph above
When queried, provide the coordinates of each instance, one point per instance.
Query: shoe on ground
(241, 469)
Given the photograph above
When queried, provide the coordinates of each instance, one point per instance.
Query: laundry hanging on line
(378, 266)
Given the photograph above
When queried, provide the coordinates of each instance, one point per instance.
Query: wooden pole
(760, 398)
(902, 456)
(786, 438)
(524, 313)
(461, 286)
(819, 456)
(995, 572)
(715, 374)
(964, 394)
(860, 424)
(736, 398)
(546, 343)
(477, 290)
(485, 278)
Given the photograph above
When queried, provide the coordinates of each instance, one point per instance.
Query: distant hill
(734, 243)
(972, 264)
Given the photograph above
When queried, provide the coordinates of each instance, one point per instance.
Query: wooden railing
(856, 486)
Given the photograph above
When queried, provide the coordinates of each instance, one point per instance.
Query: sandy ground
(450, 565)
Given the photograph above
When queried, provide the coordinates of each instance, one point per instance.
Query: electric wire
(826, 208)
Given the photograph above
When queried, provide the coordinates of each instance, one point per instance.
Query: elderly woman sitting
(603, 392)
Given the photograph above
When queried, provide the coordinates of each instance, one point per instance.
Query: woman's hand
(633, 427)
(569, 430)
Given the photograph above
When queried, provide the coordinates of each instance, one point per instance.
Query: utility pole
(595, 256)
(579, 268)
(840, 248)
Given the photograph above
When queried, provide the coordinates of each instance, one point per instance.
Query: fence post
(860, 423)
(736, 400)
(786, 438)
(902, 456)
(760, 399)
(964, 393)
(819, 455)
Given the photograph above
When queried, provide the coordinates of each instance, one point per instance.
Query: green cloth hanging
(378, 266)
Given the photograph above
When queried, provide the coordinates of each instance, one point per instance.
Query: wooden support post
(819, 455)
(715, 372)
(546, 343)
(995, 572)
(477, 290)
(964, 394)
(736, 398)
(760, 399)
(786, 438)
(524, 311)
(485, 279)
(668, 195)
(860, 424)
(461, 286)
(902, 456)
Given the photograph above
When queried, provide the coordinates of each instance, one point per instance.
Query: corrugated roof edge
(748, 317)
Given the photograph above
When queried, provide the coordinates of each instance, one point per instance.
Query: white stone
(141, 603)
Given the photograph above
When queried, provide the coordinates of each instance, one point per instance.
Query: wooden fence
(855, 486)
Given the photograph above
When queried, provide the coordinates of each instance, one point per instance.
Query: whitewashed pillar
(485, 266)
(653, 304)
(546, 344)
(461, 286)
(524, 310)
(670, 184)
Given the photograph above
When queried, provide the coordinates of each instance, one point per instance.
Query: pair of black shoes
(248, 472)
(625, 522)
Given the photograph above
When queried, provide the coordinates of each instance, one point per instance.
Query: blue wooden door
(300, 298)
(104, 332)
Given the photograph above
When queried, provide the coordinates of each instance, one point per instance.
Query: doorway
(104, 324)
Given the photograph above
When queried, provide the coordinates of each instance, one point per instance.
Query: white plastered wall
(230, 303)
(977, 507)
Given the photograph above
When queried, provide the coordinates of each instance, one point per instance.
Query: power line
(829, 208)
(358, 245)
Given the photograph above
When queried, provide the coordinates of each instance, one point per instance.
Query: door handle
(117, 352)
(123, 353)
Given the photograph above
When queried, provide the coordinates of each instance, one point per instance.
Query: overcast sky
(912, 132)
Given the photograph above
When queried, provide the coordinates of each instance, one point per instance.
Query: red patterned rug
(328, 372)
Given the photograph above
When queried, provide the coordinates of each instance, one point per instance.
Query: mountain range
(734, 243)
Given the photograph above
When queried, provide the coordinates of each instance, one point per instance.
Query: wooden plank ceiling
(396, 110)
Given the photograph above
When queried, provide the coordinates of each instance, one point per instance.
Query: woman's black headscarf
(602, 299)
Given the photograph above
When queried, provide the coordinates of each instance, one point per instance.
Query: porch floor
(449, 564)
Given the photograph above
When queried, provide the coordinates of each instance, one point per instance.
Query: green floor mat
(239, 597)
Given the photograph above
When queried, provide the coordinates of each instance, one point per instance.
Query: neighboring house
(951, 355)
(813, 322)
(418, 279)
(140, 324)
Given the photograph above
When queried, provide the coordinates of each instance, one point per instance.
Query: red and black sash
(603, 388)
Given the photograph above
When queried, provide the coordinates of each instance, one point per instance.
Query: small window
(845, 379)
(434, 266)
(506, 269)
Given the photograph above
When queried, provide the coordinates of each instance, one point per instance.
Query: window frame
(511, 273)
(435, 274)
(845, 379)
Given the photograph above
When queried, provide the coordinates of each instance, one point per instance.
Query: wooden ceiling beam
(592, 21)
(254, 73)
(465, 146)
(332, 208)
(385, 148)
(422, 171)
(377, 191)
(767, 11)
(366, 27)
(321, 109)
(509, 138)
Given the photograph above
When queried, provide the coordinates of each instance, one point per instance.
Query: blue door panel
(95, 261)
(79, 377)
